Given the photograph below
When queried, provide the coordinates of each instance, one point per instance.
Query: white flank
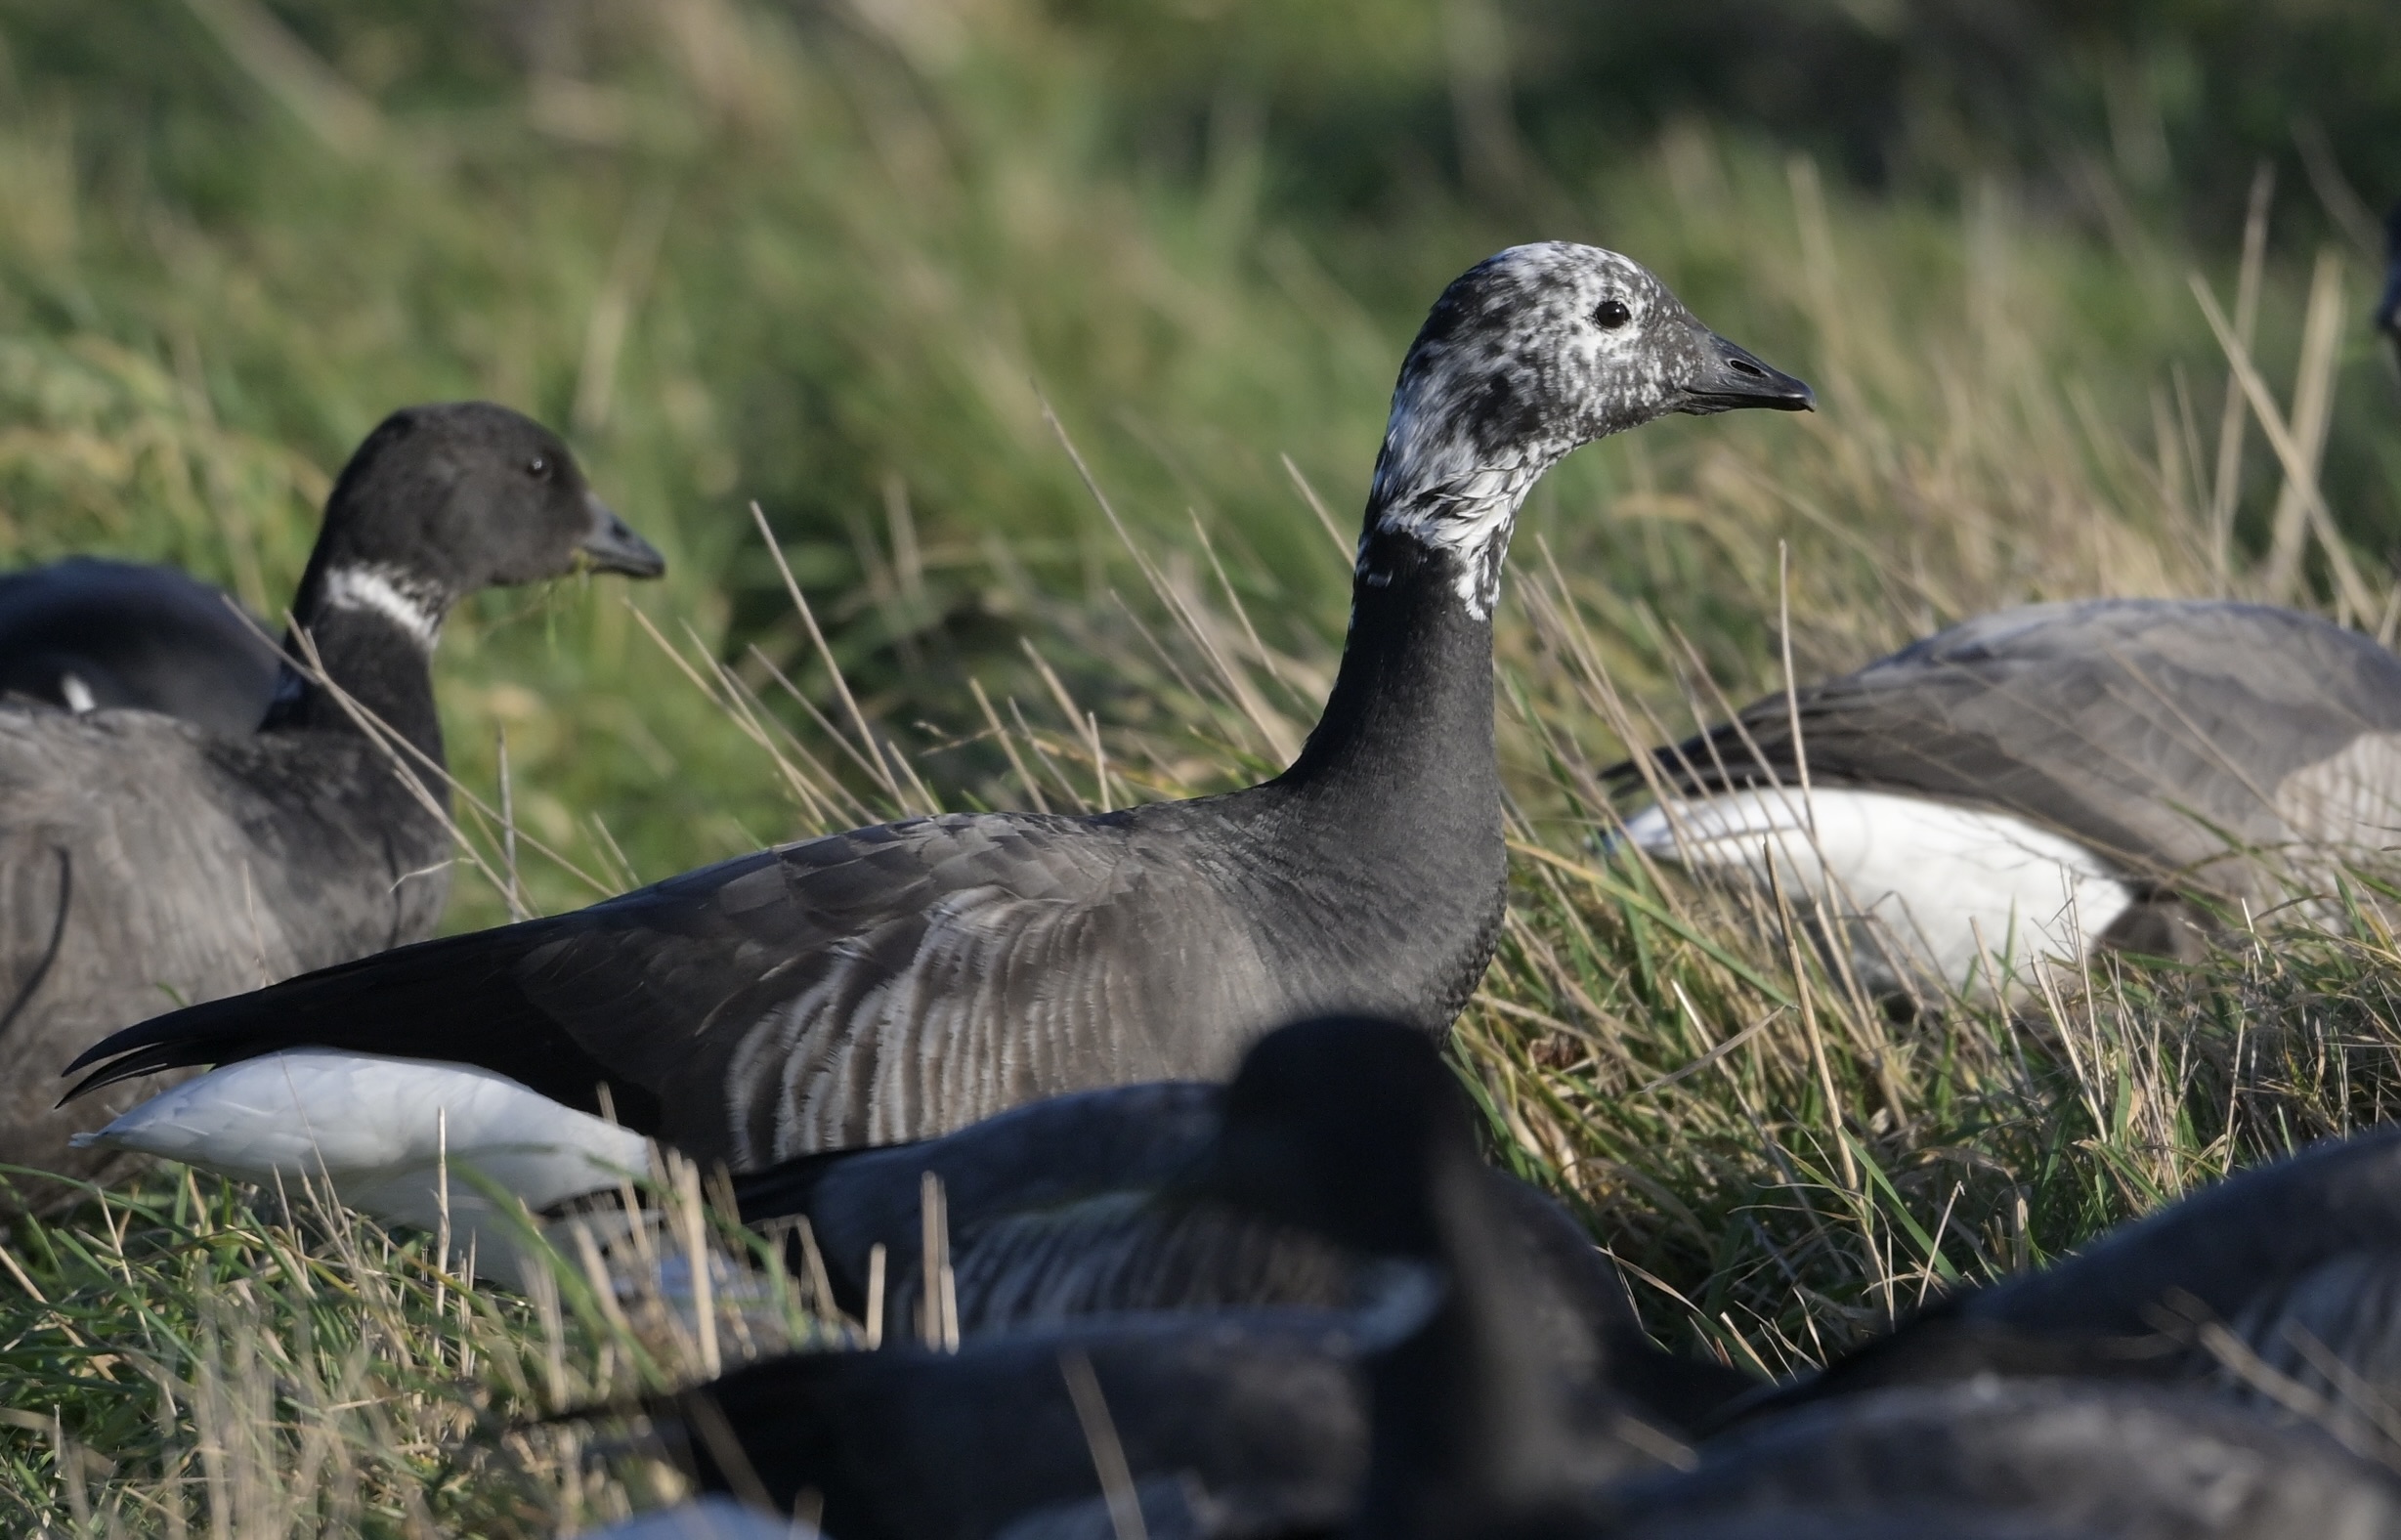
(371, 589)
(1930, 886)
(79, 697)
(377, 1128)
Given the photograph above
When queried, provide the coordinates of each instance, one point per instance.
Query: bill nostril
(1746, 367)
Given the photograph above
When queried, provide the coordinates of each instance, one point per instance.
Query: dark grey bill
(1731, 377)
(614, 548)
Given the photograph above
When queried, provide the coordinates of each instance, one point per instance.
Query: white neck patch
(1434, 492)
(379, 590)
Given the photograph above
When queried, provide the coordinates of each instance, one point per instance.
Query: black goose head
(1343, 1125)
(1528, 355)
(1355, 1129)
(441, 501)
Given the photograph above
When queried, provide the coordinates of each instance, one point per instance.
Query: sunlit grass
(882, 291)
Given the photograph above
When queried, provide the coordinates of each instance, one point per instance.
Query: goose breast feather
(884, 984)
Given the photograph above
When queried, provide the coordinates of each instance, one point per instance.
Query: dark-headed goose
(1099, 1202)
(901, 981)
(144, 858)
(88, 634)
(2290, 1270)
(1257, 1419)
(2050, 779)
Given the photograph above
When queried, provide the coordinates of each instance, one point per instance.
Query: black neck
(1386, 829)
(1409, 723)
(1467, 1413)
(380, 663)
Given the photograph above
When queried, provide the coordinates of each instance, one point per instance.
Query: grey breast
(138, 872)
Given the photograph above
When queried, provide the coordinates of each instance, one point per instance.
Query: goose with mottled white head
(897, 982)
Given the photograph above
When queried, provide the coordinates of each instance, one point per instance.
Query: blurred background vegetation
(836, 257)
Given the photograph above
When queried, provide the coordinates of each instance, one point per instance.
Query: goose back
(2048, 779)
(88, 633)
(2152, 731)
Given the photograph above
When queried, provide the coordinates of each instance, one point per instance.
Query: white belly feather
(1932, 886)
(384, 1130)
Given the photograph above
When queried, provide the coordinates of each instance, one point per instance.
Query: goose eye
(1613, 314)
(537, 466)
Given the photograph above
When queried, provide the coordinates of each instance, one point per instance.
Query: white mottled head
(1528, 355)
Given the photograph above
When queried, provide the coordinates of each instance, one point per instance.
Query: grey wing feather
(886, 984)
(2154, 731)
(990, 959)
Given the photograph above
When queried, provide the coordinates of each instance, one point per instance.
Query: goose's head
(443, 501)
(1528, 355)
(1343, 1125)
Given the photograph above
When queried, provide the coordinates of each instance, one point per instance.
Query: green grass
(742, 256)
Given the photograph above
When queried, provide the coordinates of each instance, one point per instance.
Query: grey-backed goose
(2049, 779)
(901, 981)
(144, 858)
(88, 633)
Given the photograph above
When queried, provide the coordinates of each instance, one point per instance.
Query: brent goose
(88, 633)
(2291, 1270)
(2003, 1458)
(144, 858)
(1354, 1129)
(2050, 779)
(904, 981)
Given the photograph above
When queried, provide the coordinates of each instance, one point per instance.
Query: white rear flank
(1930, 886)
(378, 1127)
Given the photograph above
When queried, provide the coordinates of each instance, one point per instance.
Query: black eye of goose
(538, 465)
(1613, 314)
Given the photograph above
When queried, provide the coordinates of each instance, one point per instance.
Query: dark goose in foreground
(904, 981)
(2284, 1278)
(90, 634)
(1249, 1423)
(142, 855)
(2049, 779)
(1232, 1422)
(1099, 1201)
